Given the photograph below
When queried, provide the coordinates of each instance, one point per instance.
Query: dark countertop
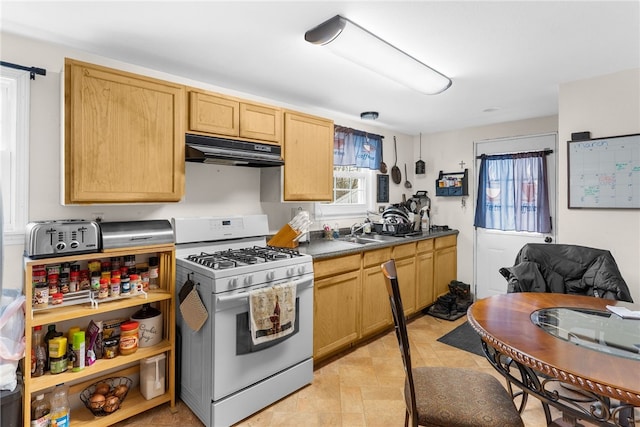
(320, 248)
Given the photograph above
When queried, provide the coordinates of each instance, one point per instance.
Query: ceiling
(506, 59)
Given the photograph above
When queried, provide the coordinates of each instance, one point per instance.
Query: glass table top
(597, 330)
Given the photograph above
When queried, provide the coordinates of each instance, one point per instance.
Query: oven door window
(244, 343)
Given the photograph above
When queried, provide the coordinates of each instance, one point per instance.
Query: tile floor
(359, 388)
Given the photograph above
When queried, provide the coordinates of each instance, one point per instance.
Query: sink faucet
(356, 227)
(360, 226)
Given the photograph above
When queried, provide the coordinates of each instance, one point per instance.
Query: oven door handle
(241, 295)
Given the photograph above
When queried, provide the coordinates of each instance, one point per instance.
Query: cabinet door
(406, 269)
(124, 137)
(376, 311)
(308, 158)
(260, 122)
(424, 279)
(446, 268)
(213, 114)
(335, 317)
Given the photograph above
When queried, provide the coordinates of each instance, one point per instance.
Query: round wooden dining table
(506, 324)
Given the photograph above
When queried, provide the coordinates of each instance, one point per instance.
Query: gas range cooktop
(232, 258)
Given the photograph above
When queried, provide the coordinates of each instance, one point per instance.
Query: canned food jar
(58, 365)
(128, 337)
(41, 295)
(110, 348)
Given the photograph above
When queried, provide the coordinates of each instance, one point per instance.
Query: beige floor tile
(362, 388)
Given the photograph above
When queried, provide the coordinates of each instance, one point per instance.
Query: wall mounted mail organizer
(604, 172)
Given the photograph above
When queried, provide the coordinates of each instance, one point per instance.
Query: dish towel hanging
(272, 312)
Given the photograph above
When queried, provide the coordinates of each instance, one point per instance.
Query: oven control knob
(271, 275)
(248, 280)
(290, 272)
(233, 282)
(302, 269)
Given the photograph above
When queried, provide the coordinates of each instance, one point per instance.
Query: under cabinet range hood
(206, 149)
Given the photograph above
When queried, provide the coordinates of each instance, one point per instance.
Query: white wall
(444, 151)
(606, 106)
(210, 189)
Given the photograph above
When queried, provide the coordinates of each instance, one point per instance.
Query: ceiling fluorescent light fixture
(349, 40)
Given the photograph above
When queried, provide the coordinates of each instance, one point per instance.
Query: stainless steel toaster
(61, 237)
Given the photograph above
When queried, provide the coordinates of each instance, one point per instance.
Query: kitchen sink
(357, 240)
(369, 239)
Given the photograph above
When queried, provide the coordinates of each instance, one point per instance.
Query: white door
(494, 248)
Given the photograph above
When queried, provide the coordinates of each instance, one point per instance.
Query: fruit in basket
(97, 401)
(120, 391)
(102, 388)
(111, 404)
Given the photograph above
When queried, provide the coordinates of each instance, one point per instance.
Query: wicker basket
(100, 411)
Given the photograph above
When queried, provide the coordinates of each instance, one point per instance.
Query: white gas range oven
(224, 376)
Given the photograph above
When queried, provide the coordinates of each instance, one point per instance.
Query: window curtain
(356, 148)
(513, 193)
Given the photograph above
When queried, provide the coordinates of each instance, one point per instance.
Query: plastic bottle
(39, 353)
(40, 409)
(60, 409)
(78, 351)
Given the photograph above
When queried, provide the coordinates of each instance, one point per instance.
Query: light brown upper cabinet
(215, 114)
(308, 158)
(124, 136)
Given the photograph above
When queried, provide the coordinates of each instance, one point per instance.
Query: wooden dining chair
(441, 396)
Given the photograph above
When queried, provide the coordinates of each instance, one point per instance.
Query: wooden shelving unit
(122, 365)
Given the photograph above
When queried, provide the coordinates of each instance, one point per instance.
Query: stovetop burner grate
(231, 258)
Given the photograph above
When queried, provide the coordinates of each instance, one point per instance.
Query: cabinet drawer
(424, 245)
(403, 251)
(446, 241)
(377, 257)
(336, 265)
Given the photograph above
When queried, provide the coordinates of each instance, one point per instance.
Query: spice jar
(104, 289)
(110, 348)
(63, 282)
(128, 337)
(115, 287)
(125, 285)
(57, 298)
(135, 284)
(153, 273)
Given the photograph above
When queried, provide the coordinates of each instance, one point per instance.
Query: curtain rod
(545, 152)
(32, 70)
(356, 131)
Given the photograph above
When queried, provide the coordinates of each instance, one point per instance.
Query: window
(14, 152)
(356, 158)
(353, 193)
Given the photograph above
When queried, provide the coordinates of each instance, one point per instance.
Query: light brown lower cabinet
(336, 304)
(405, 256)
(351, 299)
(445, 264)
(376, 312)
(424, 273)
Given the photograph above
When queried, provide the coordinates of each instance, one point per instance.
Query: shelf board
(134, 404)
(54, 314)
(49, 380)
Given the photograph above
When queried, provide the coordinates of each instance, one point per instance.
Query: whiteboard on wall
(604, 172)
